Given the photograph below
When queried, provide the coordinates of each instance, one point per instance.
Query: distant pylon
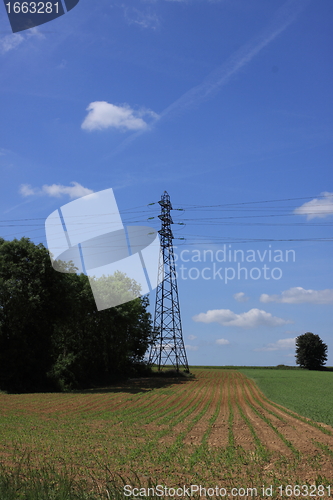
(168, 347)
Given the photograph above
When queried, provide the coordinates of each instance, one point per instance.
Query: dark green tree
(31, 293)
(51, 334)
(310, 351)
(93, 348)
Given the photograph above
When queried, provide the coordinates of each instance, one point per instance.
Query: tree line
(51, 334)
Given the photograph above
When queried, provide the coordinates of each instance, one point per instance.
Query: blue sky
(227, 105)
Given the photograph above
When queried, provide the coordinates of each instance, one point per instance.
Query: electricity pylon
(168, 347)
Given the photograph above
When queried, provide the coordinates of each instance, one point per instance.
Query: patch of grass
(25, 483)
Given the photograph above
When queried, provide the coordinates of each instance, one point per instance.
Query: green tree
(95, 347)
(30, 296)
(51, 334)
(310, 351)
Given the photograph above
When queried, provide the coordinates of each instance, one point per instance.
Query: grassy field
(214, 429)
(309, 393)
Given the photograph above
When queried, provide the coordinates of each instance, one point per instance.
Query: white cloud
(191, 347)
(74, 191)
(299, 295)
(250, 319)
(280, 345)
(222, 342)
(102, 115)
(240, 297)
(319, 208)
(10, 42)
(191, 337)
(56, 190)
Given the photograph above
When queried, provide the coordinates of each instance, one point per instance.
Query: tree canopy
(310, 351)
(51, 334)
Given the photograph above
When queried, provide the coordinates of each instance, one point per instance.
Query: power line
(248, 217)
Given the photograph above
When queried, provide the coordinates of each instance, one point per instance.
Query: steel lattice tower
(168, 347)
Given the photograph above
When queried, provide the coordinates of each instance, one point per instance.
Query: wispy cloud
(27, 190)
(192, 337)
(34, 32)
(298, 295)
(222, 342)
(10, 42)
(250, 319)
(191, 347)
(240, 297)
(144, 19)
(215, 80)
(76, 190)
(221, 76)
(280, 345)
(318, 207)
(102, 115)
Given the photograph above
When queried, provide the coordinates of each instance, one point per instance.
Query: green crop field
(309, 393)
(216, 429)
